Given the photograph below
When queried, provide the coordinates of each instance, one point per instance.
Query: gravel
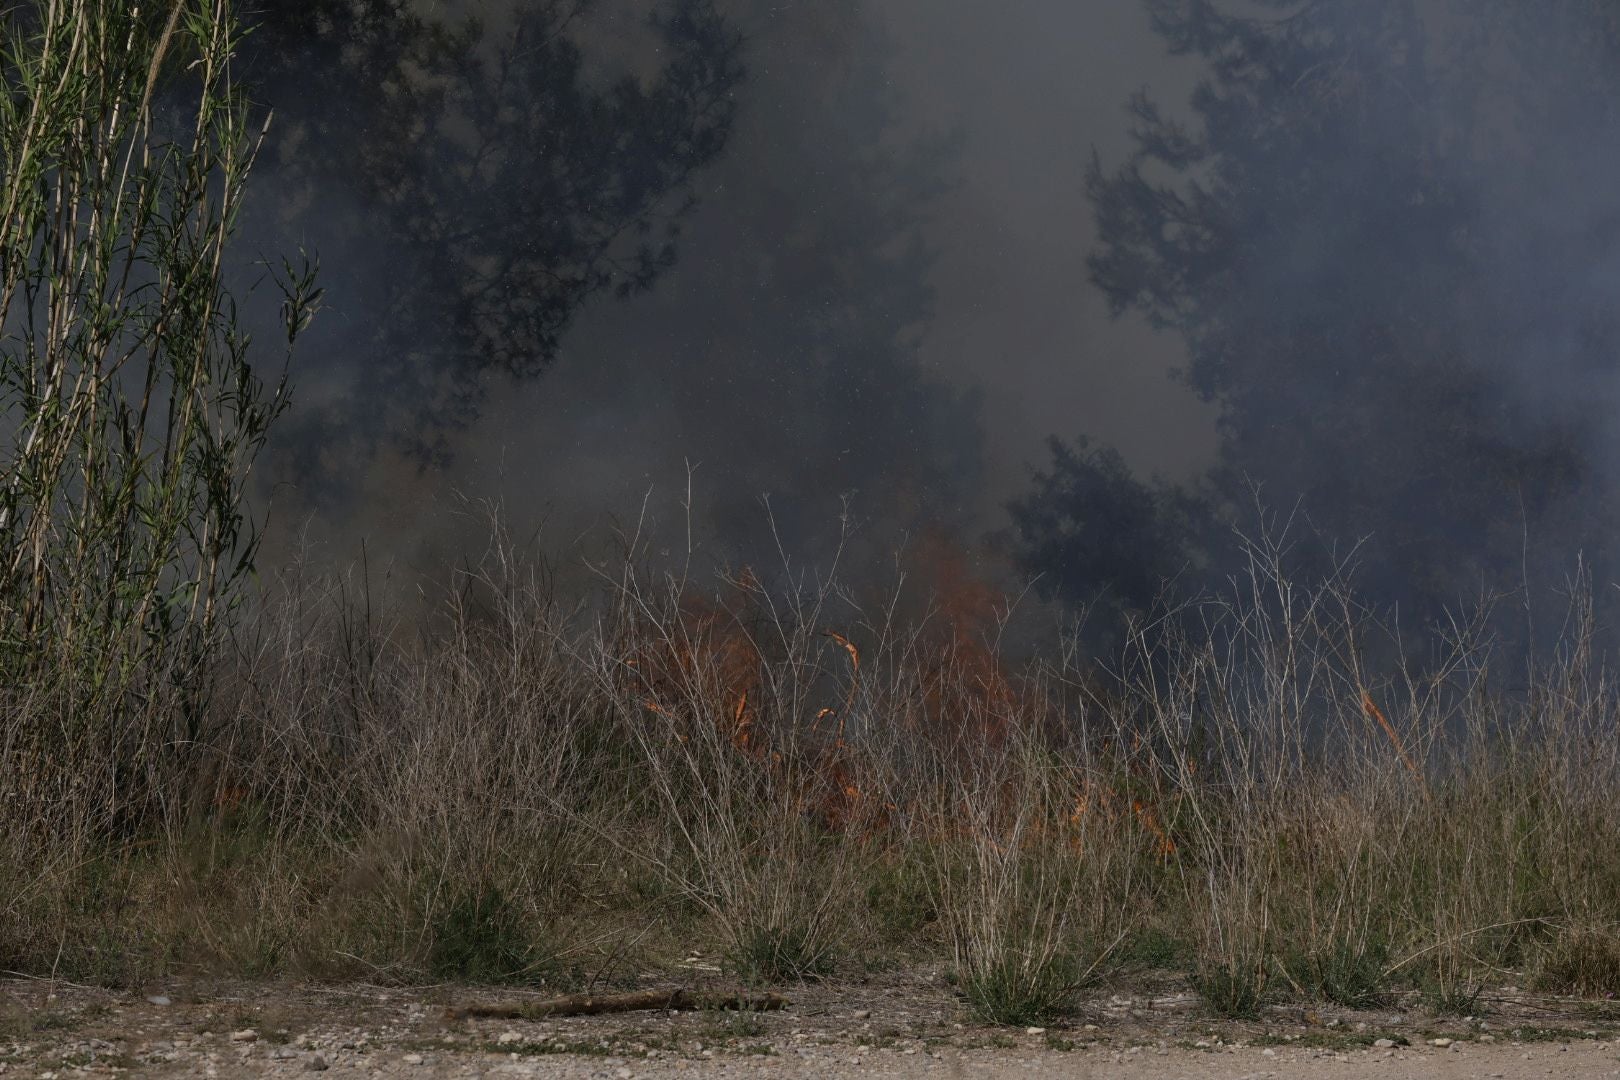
(900, 1026)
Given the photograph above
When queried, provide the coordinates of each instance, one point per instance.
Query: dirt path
(896, 1027)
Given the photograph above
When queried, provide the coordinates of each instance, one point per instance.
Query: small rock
(316, 1063)
(863, 1014)
(412, 1059)
(284, 1053)
(245, 1035)
(1383, 1044)
(1035, 1031)
(622, 1074)
(159, 999)
(1442, 1043)
(509, 1037)
(1268, 1052)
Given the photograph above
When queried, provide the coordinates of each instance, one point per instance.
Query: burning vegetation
(1256, 787)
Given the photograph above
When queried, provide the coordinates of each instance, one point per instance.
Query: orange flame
(849, 647)
(1370, 707)
(1144, 813)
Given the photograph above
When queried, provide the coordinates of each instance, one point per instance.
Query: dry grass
(518, 789)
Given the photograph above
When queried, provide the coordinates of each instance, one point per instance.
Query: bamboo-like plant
(130, 412)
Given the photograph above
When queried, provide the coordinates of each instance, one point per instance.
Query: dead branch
(594, 1004)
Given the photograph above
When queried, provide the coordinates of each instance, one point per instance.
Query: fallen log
(595, 1004)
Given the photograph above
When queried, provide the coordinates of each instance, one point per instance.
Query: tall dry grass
(1264, 792)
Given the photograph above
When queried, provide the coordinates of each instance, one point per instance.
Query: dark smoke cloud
(1036, 87)
(881, 296)
(1380, 236)
(885, 299)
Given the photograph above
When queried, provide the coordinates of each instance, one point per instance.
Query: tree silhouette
(481, 182)
(1375, 233)
(1109, 541)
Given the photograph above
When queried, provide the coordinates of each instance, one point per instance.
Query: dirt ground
(894, 1026)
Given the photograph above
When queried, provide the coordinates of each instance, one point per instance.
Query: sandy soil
(890, 1027)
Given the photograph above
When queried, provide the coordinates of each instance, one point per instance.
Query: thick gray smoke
(878, 304)
(1380, 238)
(1373, 236)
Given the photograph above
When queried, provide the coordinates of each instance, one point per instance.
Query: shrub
(1583, 961)
(773, 954)
(1232, 990)
(130, 410)
(900, 901)
(1352, 974)
(481, 937)
(1020, 987)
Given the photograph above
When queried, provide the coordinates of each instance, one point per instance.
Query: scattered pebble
(150, 1040)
